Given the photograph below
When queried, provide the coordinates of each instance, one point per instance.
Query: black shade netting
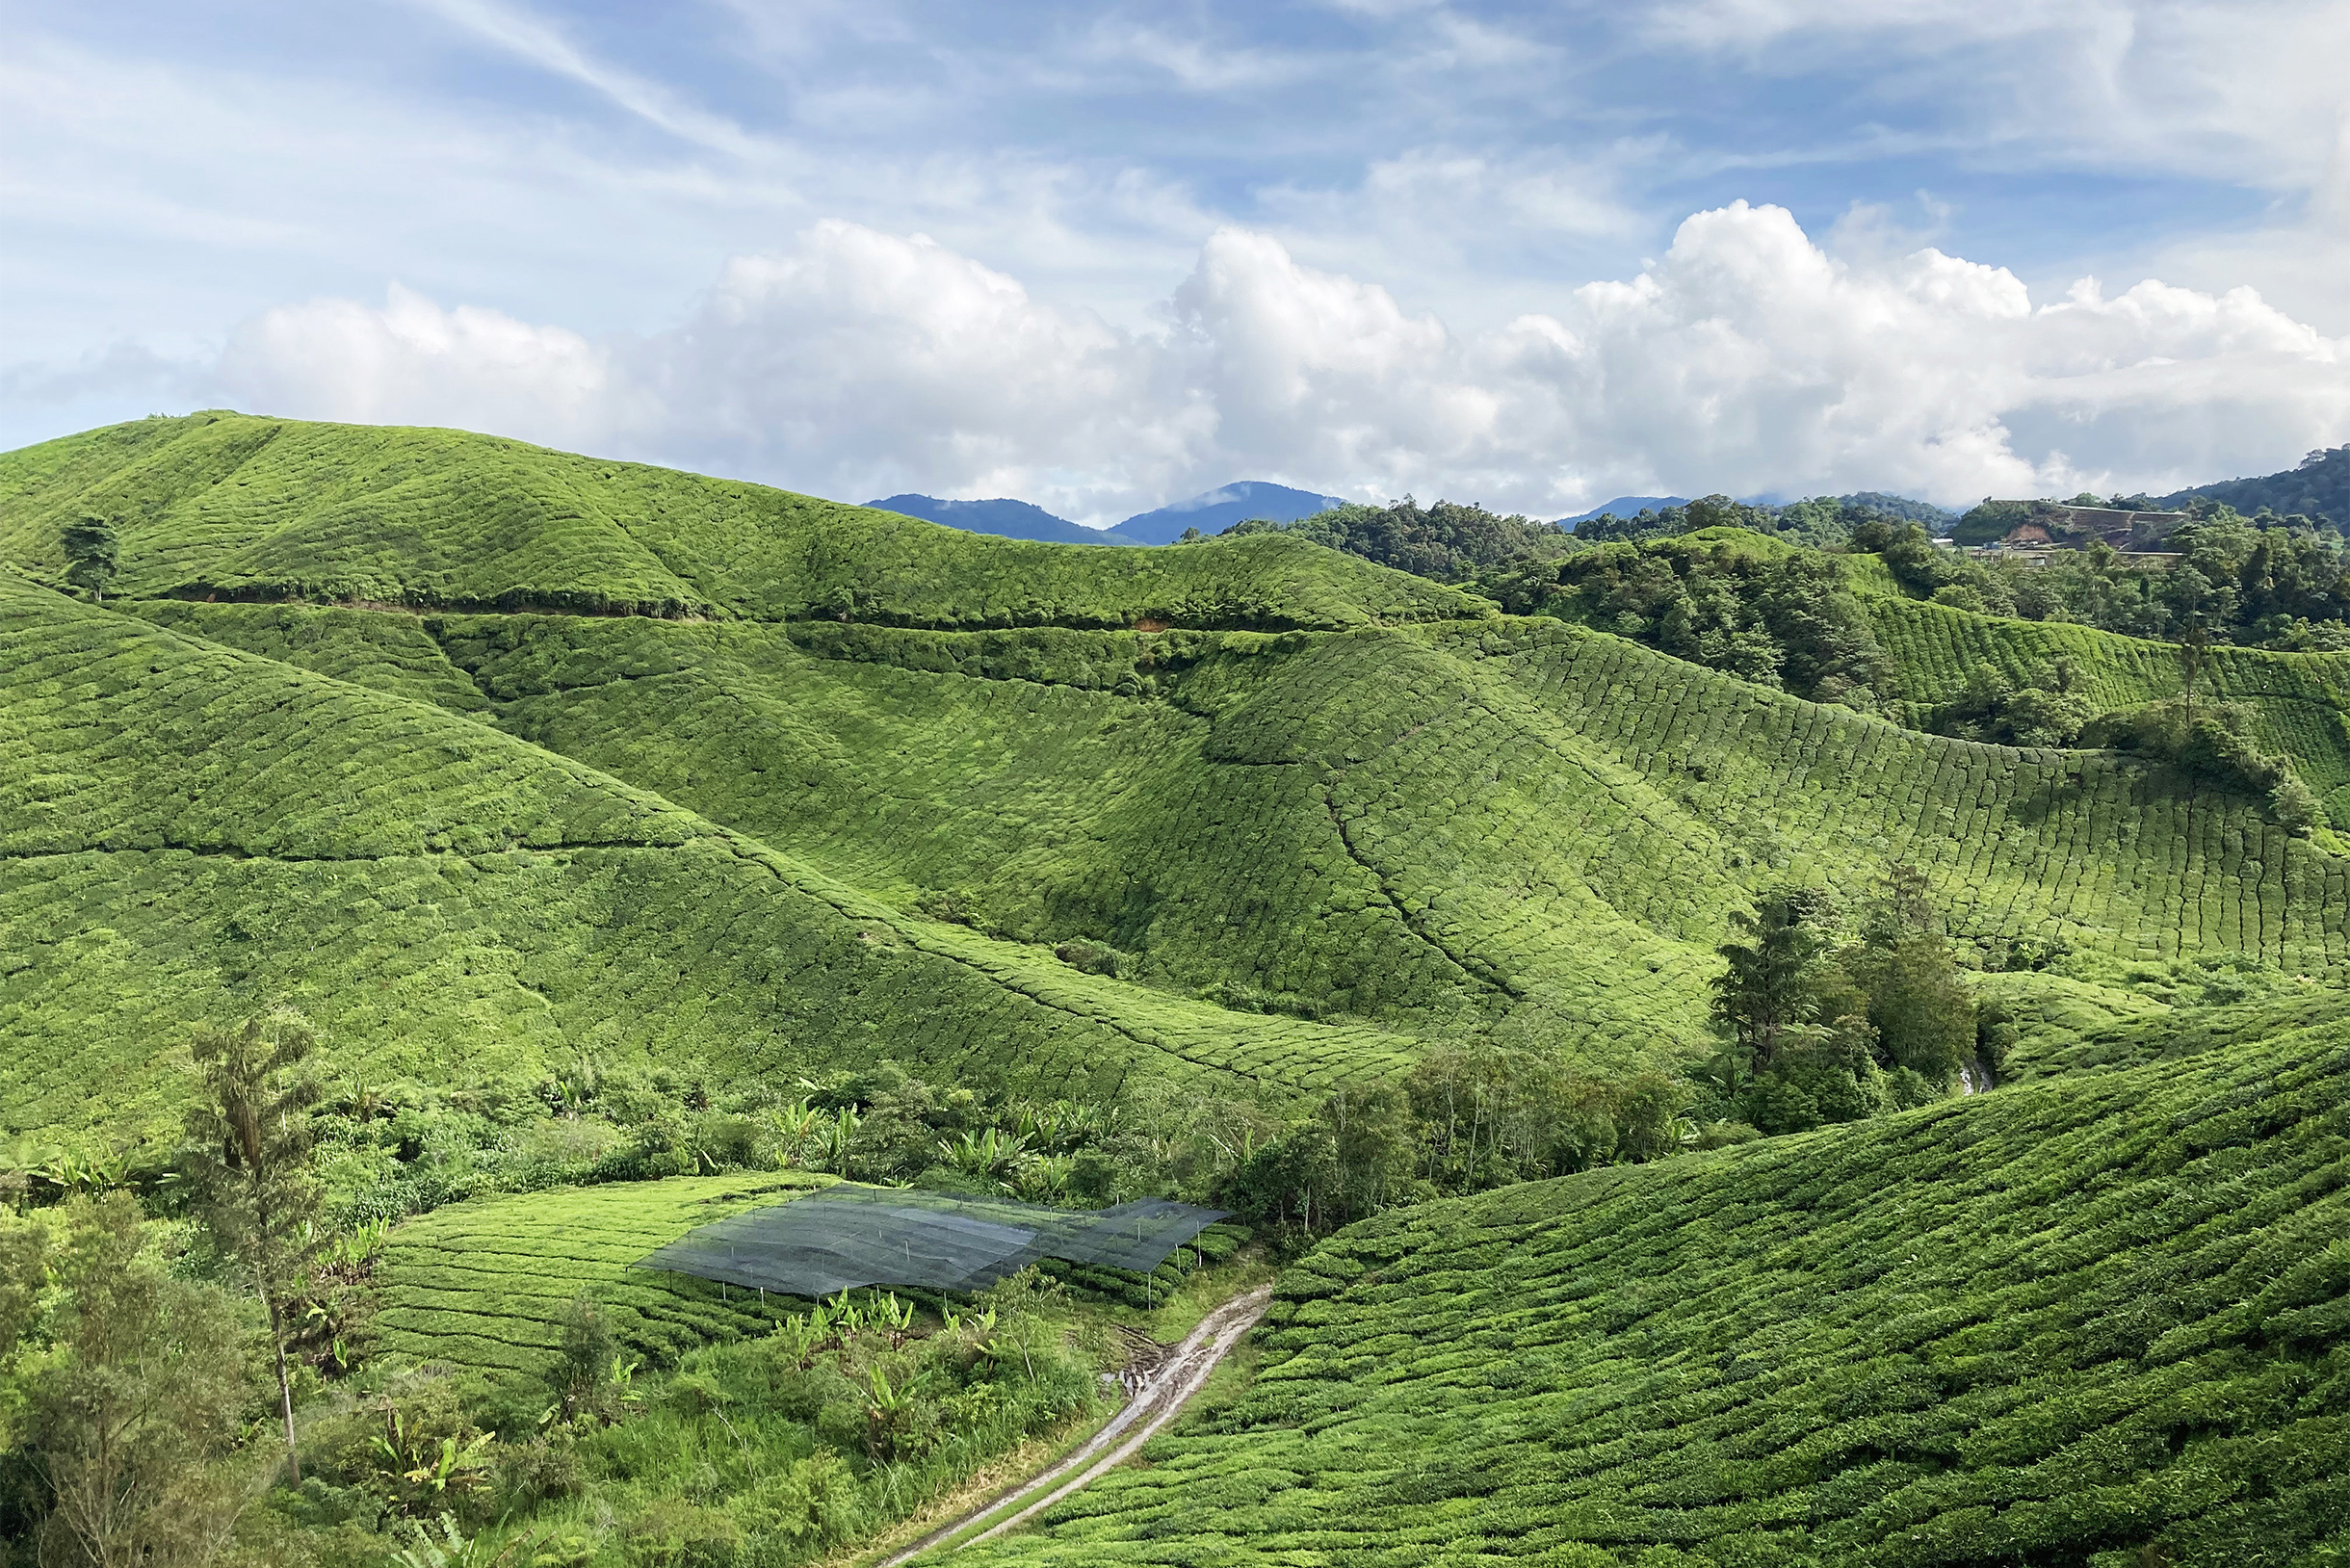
(844, 1236)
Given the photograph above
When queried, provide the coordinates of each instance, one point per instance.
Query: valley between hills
(637, 847)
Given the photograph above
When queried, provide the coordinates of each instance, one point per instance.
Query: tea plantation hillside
(484, 1285)
(2299, 702)
(2102, 1322)
(230, 506)
(193, 833)
(853, 785)
(1515, 829)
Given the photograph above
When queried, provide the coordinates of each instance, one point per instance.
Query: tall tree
(249, 1167)
(91, 558)
(1924, 1014)
(133, 1402)
(1769, 987)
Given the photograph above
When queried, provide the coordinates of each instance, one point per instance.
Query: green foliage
(248, 1169)
(92, 550)
(1447, 542)
(2265, 581)
(771, 1441)
(1769, 988)
(1819, 1030)
(2048, 711)
(2098, 1321)
(2214, 742)
(1514, 833)
(2318, 486)
(1465, 1120)
(1732, 602)
(192, 844)
(126, 1391)
(695, 828)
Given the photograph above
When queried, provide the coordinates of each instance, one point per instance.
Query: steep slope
(2101, 1322)
(190, 833)
(2299, 702)
(1297, 854)
(237, 508)
(1521, 831)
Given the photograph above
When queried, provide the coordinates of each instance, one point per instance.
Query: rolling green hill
(518, 772)
(2299, 702)
(2102, 1323)
(772, 827)
(191, 832)
(220, 504)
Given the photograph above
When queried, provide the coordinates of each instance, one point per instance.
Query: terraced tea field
(1518, 830)
(2100, 1321)
(498, 763)
(230, 506)
(2299, 702)
(488, 843)
(485, 1284)
(778, 828)
(190, 832)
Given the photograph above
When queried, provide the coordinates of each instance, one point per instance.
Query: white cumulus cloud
(1746, 358)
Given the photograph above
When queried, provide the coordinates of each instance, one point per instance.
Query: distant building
(2046, 525)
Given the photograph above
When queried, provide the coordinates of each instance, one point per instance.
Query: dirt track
(1183, 1373)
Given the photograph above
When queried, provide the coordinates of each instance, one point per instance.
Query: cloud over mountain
(1747, 357)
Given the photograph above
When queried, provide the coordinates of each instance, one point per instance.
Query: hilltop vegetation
(231, 506)
(2318, 486)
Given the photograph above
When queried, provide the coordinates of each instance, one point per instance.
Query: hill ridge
(237, 508)
(1189, 1032)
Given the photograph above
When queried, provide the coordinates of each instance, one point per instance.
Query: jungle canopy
(848, 1236)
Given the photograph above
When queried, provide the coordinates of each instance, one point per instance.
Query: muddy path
(1171, 1386)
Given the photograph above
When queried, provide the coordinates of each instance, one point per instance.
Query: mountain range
(1211, 511)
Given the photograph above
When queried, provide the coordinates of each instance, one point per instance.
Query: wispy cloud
(595, 166)
(531, 39)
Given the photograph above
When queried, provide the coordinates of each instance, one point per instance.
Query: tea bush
(190, 833)
(2103, 1322)
(485, 1284)
(225, 505)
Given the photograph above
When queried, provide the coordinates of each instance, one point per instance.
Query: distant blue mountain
(1009, 519)
(1218, 510)
(1625, 506)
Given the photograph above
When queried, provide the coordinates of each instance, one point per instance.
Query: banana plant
(1044, 1178)
(849, 1314)
(987, 1154)
(71, 1172)
(886, 1408)
(798, 1337)
(354, 1249)
(418, 1469)
(896, 1315)
(836, 1142)
(799, 1132)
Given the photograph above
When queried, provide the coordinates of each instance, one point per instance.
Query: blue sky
(1104, 256)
